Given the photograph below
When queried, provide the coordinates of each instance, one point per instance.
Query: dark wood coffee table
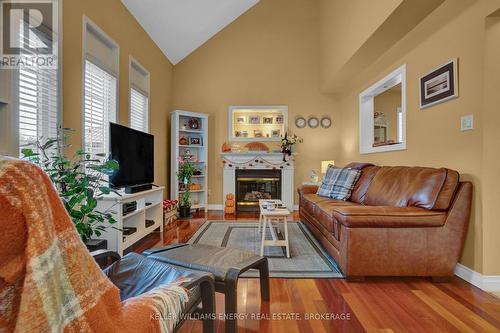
(226, 264)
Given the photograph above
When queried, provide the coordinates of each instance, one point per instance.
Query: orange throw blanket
(48, 280)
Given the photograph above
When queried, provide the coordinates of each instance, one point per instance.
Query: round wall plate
(300, 122)
(326, 122)
(313, 122)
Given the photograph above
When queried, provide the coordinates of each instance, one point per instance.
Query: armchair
(50, 282)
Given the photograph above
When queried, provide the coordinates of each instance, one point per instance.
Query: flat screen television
(134, 151)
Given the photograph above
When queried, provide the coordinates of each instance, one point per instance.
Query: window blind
(138, 110)
(37, 97)
(99, 108)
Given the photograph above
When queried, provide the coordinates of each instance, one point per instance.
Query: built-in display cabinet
(257, 123)
(189, 143)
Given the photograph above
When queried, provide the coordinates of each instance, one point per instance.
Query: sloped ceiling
(179, 27)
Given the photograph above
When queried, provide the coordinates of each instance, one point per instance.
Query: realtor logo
(29, 32)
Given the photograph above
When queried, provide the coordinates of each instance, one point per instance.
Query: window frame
(89, 24)
(13, 148)
(131, 63)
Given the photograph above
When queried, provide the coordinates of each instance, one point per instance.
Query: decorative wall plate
(326, 122)
(313, 122)
(300, 122)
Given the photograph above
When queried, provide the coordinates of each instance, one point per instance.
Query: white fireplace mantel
(259, 160)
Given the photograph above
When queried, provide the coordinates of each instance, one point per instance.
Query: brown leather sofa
(399, 221)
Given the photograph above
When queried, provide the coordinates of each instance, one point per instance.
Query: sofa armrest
(388, 217)
(307, 189)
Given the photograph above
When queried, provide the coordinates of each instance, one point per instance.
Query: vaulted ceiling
(179, 27)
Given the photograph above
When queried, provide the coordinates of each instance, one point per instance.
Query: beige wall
(267, 56)
(433, 134)
(112, 17)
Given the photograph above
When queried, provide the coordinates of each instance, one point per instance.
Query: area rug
(308, 259)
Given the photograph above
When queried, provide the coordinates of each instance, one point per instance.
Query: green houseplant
(79, 180)
(185, 176)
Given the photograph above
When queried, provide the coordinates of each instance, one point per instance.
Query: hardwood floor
(375, 305)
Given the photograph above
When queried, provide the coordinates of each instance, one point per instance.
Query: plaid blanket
(48, 280)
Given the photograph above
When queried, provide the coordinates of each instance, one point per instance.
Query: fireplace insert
(252, 185)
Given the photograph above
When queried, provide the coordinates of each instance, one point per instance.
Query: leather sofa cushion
(310, 200)
(405, 187)
(388, 217)
(324, 215)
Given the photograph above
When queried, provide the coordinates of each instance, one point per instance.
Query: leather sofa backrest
(361, 186)
(448, 190)
(411, 187)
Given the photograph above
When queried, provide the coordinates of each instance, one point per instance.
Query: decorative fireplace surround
(259, 161)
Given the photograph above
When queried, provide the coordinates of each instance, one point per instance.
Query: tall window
(138, 110)
(100, 87)
(37, 91)
(99, 108)
(139, 96)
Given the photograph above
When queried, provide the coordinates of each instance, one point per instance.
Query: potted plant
(288, 143)
(79, 180)
(185, 176)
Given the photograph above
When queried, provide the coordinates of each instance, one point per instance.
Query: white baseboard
(221, 207)
(485, 282)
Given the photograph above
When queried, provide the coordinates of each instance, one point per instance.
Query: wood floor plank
(376, 305)
(450, 317)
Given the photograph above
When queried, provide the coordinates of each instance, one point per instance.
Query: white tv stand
(152, 211)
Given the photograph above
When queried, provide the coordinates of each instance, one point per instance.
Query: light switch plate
(467, 123)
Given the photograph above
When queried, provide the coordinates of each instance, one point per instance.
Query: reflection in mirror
(388, 117)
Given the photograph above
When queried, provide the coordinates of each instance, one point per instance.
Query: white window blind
(100, 108)
(37, 96)
(138, 110)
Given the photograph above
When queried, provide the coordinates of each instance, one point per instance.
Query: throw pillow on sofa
(338, 183)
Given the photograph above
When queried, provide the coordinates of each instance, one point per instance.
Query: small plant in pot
(185, 176)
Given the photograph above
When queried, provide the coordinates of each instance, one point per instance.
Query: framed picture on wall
(439, 85)
(254, 119)
(241, 120)
(267, 120)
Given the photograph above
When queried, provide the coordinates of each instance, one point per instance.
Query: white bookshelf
(149, 207)
(179, 129)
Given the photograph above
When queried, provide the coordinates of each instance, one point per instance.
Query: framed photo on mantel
(439, 85)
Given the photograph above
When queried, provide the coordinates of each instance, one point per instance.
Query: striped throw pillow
(338, 183)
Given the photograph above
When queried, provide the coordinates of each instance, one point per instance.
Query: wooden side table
(267, 217)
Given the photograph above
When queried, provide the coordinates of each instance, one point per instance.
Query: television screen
(134, 151)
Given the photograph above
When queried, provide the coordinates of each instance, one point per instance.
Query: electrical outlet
(467, 123)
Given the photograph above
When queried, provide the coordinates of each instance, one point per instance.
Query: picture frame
(257, 134)
(267, 120)
(254, 120)
(195, 141)
(244, 134)
(241, 120)
(276, 133)
(279, 119)
(439, 85)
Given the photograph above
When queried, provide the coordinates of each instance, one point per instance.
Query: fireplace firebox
(255, 184)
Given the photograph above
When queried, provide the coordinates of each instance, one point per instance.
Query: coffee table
(226, 264)
(266, 218)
